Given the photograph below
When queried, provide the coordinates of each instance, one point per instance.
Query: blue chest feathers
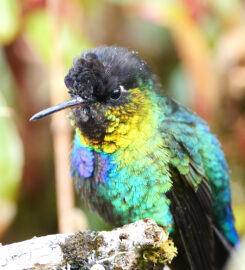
(121, 194)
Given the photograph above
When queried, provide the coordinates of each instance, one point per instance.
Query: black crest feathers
(86, 77)
(98, 71)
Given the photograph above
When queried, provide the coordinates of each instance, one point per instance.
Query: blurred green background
(195, 46)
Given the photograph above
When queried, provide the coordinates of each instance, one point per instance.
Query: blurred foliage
(196, 47)
(37, 26)
(11, 163)
(9, 20)
(11, 155)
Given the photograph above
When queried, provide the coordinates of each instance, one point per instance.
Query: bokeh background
(197, 48)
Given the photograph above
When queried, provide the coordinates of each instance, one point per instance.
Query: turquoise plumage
(139, 154)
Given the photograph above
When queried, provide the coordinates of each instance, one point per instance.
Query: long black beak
(74, 102)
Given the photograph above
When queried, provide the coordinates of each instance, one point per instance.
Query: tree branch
(132, 246)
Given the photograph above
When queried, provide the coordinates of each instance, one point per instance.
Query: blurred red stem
(60, 127)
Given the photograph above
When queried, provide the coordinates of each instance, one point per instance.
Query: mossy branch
(135, 246)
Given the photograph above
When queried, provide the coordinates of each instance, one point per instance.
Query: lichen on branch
(139, 245)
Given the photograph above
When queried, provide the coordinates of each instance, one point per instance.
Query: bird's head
(110, 89)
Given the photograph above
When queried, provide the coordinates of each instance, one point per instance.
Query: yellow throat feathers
(133, 122)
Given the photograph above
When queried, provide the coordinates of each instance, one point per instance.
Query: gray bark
(133, 246)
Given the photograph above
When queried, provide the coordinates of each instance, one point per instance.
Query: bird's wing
(191, 207)
(204, 149)
(191, 195)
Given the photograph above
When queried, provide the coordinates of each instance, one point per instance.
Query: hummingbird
(137, 153)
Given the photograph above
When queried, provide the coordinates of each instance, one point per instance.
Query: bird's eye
(115, 94)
